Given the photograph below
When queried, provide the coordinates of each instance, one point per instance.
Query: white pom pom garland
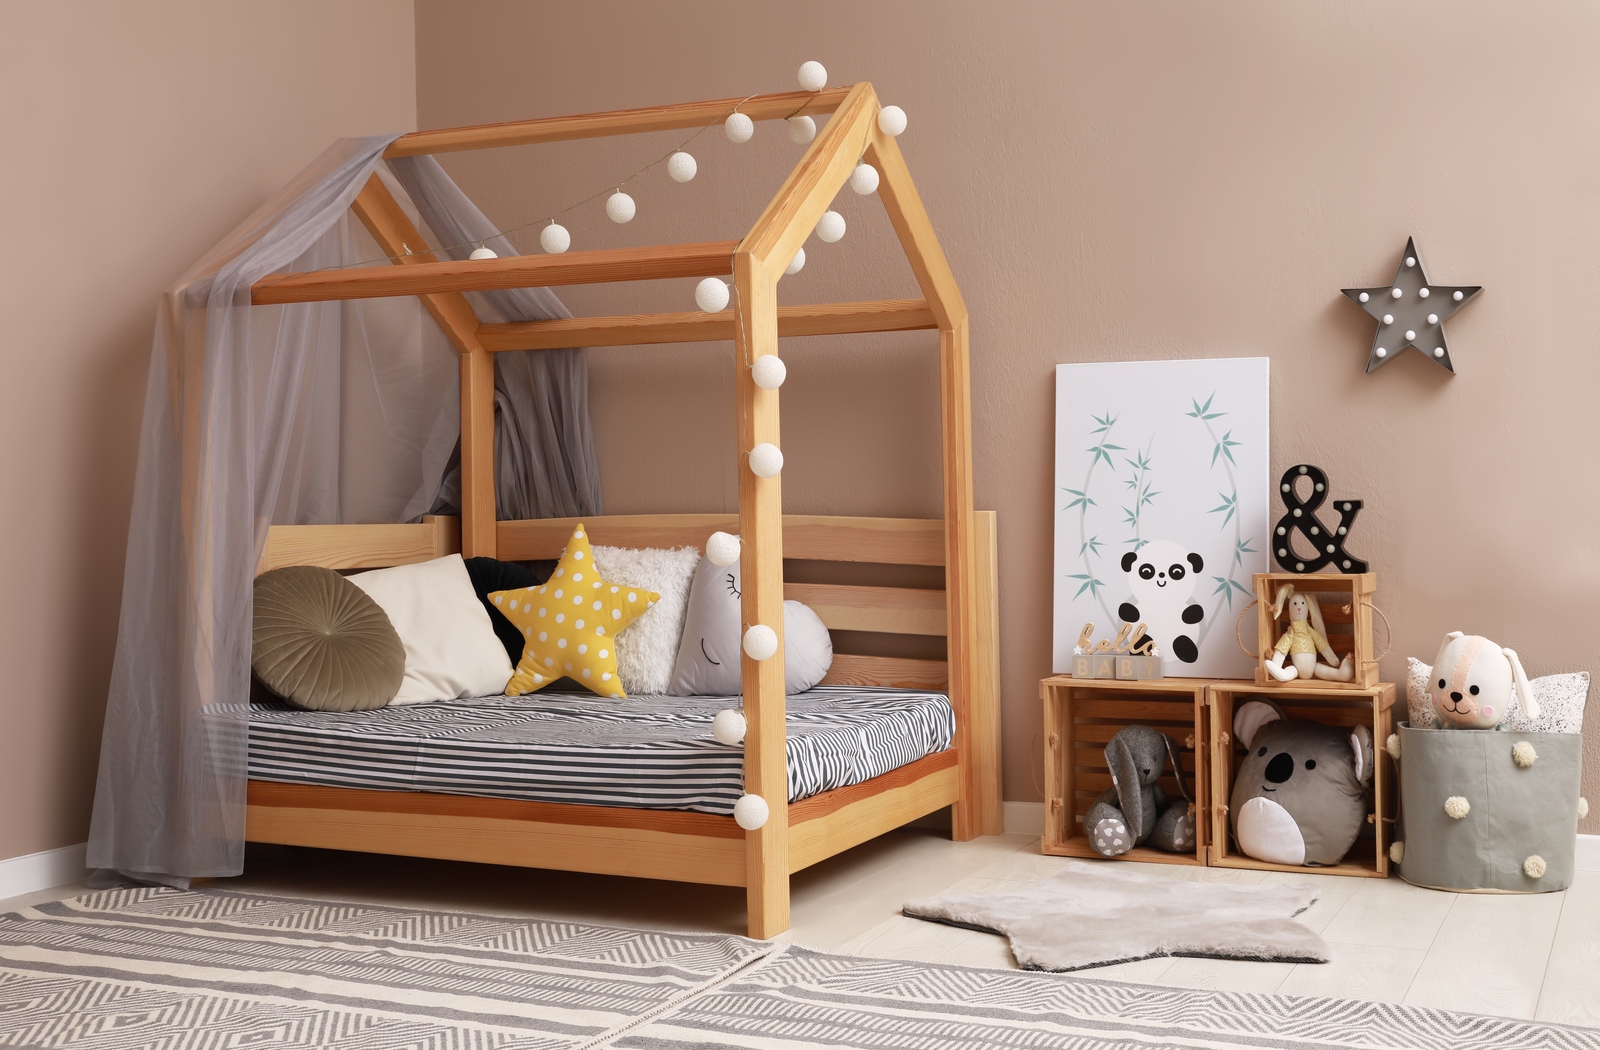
(711, 295)
(555, 239)
(738, 127)
(769, 372)
(801, 129)
(760, 642)
(766, 460)
(750, 812)
(830, 227)
(728, 727)
(619, 207)
(681, 167)
(892, 121)
(797, 263)
(483, 253)
(864, 179)
(813, 76)
(722, 548)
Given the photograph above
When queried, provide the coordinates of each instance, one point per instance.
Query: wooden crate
(1080, 718)
(1371, 707)
(1346, 603)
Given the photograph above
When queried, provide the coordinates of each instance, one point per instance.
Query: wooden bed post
(761, 527)
(975, 700)
(383, 217)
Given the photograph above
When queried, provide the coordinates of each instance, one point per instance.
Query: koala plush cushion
(1300, 796)
(1561, 700)
(709, 654)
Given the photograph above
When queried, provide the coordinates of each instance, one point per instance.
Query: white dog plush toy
(1472, 683)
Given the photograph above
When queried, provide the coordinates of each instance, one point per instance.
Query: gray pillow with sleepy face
(322, 643)
(709, 654)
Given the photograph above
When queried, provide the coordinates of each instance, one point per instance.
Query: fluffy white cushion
(647, 647)
(708, 658)
(451, 647)
(1561, 700)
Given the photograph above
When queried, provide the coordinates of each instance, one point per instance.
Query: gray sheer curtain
(545, 465)
(309, 413)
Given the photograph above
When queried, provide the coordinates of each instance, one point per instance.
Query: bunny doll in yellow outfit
(1304, 638)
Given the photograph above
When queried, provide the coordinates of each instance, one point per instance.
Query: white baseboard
(1588, 858)
(41, 871)
(1024, 818)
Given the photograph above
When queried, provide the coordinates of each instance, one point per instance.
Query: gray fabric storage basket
(1515, 812)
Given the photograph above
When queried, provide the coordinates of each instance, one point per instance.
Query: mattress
(648, 752)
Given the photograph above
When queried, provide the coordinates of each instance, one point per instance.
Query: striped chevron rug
(131, 968)
(191, 970)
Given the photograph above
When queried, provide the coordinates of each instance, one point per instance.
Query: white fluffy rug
(1100, 913)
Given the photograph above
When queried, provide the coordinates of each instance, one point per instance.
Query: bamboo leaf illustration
(1229, 505)
(1092, 545)
(1145, 499)
(1130, 517)
(1226, 585)
(1091, 584)
(1083, 500)
(1243, 549)
(1225, 447)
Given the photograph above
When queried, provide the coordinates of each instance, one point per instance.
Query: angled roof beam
(810, 188)
(657, 262)
(886, 315)
(915, 230)
(616, 122)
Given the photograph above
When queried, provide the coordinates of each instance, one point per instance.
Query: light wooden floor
(1518, 956)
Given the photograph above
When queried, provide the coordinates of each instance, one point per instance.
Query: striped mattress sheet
(647, 752)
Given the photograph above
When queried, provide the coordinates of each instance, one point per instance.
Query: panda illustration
(1161, 575)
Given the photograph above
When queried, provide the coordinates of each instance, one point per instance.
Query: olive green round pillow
(322, 644)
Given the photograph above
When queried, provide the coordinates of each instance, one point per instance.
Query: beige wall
(1125, 181)
(135, 136)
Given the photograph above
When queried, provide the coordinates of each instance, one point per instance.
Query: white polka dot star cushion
(1561, 701)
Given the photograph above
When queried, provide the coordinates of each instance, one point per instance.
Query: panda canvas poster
(1161, 497)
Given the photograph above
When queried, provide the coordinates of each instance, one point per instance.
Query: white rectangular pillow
(451, 647)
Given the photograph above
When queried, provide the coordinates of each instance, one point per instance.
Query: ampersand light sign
(1301, 516)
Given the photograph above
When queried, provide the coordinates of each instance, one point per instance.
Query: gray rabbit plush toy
(1135, 812)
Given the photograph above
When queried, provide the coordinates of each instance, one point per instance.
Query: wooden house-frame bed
(669, 844)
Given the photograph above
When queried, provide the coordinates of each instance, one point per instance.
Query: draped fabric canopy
(308, 413)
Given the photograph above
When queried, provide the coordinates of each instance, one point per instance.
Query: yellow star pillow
(571, 622)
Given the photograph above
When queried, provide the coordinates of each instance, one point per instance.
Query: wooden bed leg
(761, 573)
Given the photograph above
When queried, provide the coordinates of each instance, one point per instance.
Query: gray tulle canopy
(310, 413)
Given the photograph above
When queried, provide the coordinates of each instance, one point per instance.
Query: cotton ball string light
(769, 371)
(796, 264)
(766, 460)
(728, 727)
(483, 253)
(738, 127)
(722, 548)
(801, 129)
(892, 121)
(830, 227)
(619, 207)
(813, 76)
(555, 239)
(750, 812)
(681, 167)
(711, 295)
(760, 642)
(864, 179)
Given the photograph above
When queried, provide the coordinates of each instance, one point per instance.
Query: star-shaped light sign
(1411, 312)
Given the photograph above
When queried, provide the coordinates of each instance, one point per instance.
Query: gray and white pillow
(1561, 700)
(648, 647)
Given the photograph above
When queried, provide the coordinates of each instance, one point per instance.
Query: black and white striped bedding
(648, 752)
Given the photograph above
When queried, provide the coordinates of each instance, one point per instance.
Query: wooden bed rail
(694, 326)
(889, 541)
(601, 266)
(617, 122)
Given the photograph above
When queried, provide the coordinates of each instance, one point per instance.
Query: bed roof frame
(668, 844)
